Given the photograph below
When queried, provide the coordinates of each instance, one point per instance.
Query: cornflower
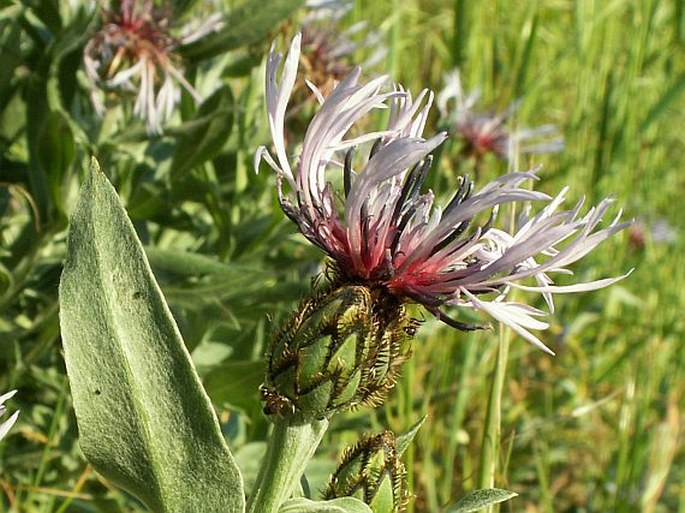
(133, 52)
(327, 48)
(384, 233)
(488, 132)
(7, 425)
(658, 231)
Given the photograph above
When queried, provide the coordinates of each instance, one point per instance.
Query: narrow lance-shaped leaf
(479, 499)
(202, 138)
(405, 439)
(144, 420)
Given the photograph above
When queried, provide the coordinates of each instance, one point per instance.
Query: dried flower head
(7, 425)
(382, 231)
(133, 53)
(489, 132)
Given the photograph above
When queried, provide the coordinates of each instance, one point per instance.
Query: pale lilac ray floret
(7, 425)
(381, 230)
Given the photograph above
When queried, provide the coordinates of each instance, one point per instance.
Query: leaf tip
(94, 165)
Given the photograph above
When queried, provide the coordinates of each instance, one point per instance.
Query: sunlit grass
(596, 428)
(584, 430)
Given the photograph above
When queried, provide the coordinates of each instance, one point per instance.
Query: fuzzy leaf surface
(145, 422)
(479, 499)
(341, 505)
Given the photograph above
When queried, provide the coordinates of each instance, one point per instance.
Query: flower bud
(342, 348)
(372, 472)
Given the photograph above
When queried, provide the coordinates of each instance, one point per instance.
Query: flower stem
(290, 447)
(491, 433)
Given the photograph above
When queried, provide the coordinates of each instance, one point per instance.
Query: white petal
(515, 316)
(7, 425)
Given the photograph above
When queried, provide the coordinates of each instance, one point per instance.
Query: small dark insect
(275, 403)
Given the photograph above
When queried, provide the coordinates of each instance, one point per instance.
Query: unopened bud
(342, 348)
(371, 471)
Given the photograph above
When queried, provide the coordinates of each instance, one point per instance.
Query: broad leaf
(479, 499)
(342, 505)
(144, 420)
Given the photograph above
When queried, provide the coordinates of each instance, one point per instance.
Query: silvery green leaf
(479, 499)
(341, 505)
(145, 422)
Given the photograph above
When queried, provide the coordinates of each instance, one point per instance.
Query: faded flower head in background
(383, 232)
(490, 132)
(133, 54)
(7, 425)
(327, 48)
(659, 232)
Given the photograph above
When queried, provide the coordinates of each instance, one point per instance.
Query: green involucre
(343, 347)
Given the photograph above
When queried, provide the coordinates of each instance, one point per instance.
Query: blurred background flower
(490, 132)
(133, 54)
(658, 231)
(329, 48)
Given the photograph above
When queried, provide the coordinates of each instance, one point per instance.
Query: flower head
(7, 425)
(327, 47)
(488, 132)
(133, 52)
(342, 348)
(658, 231)
(382, 231)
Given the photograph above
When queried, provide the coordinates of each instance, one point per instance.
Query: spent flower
(7, 425)
(383, 232)
(133, 52)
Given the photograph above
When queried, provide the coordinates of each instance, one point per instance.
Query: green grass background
(595, 429)
(598, 427)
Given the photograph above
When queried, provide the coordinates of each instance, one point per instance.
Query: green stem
(290, 447)
(464, 390)
(493, 419)
(491, 433)
(409, 413)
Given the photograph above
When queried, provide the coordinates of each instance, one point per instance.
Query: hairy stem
(290, 447)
